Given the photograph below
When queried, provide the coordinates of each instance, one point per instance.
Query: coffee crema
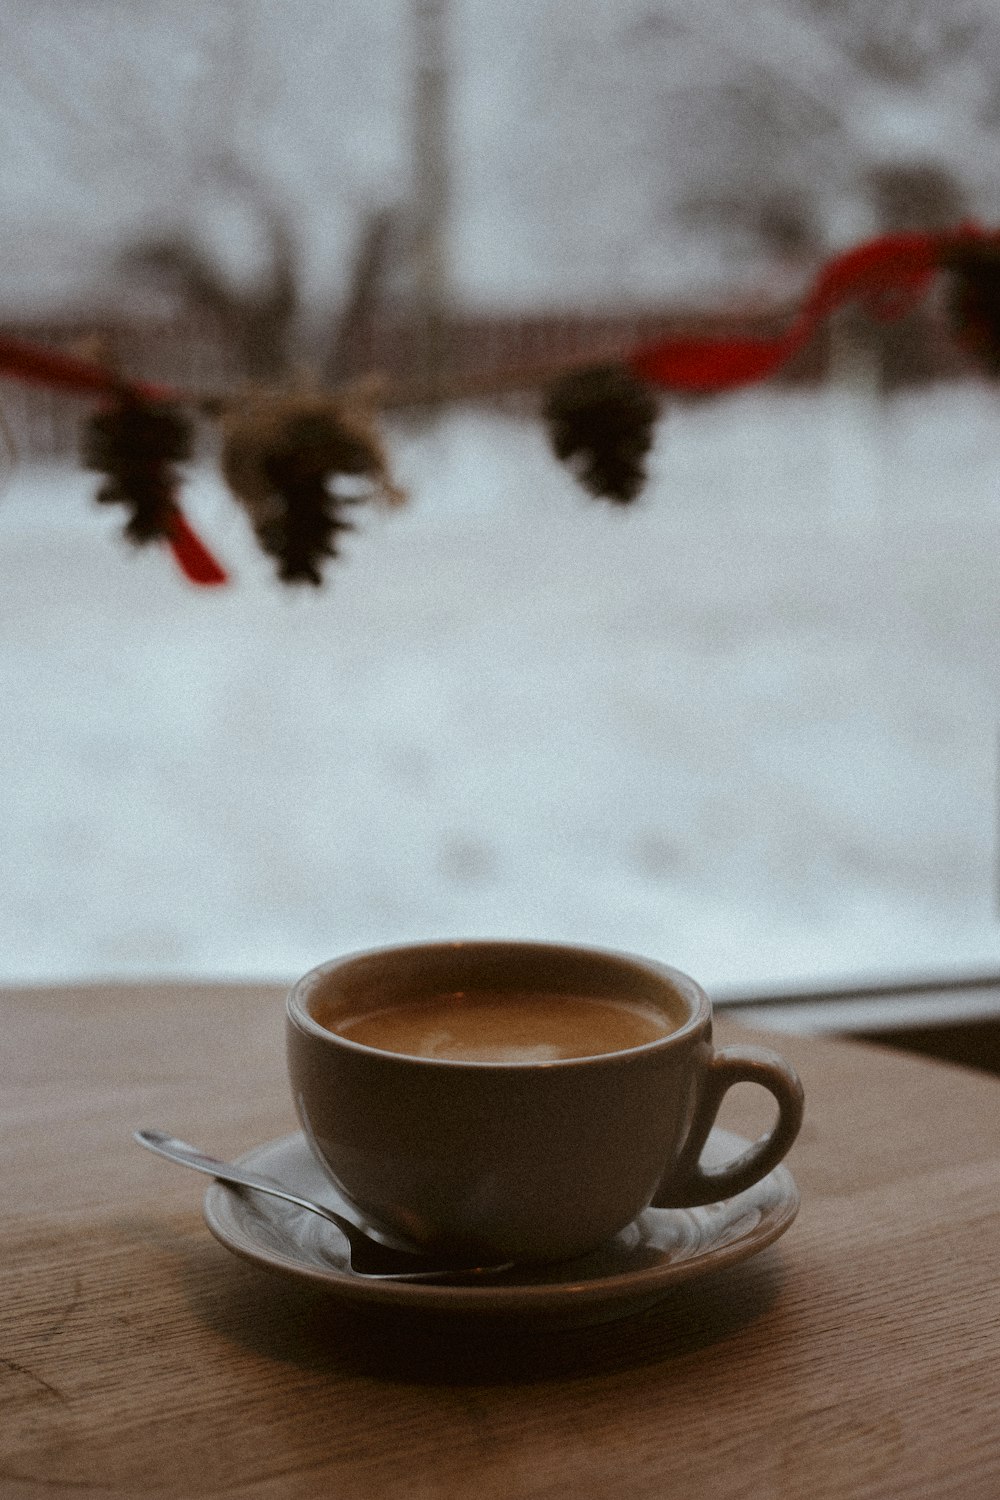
(501, 1026)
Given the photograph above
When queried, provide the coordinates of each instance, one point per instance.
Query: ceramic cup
(523, 1160)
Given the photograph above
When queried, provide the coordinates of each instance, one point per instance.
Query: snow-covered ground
(748, 726)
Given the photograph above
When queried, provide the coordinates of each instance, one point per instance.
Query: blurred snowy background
(748, 726)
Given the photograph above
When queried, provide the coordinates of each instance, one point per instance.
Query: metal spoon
(367, 1256)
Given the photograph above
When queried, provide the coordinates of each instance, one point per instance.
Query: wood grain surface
(860, 1356)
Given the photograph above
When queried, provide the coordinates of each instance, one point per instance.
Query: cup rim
(689, 989)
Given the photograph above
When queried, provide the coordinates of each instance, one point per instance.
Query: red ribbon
(193, 557)
(889, 275)
(68, 372)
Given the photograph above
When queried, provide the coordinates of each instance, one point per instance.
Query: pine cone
(974, 300)
(135, 445)
(282, 455)
(601, 421)
(304, 531)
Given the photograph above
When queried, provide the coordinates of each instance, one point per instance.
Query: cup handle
(691, 1184)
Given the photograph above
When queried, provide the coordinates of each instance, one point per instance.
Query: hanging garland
(287, 453)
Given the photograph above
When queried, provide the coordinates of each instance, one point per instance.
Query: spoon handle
(227, 1171)
(369, 1255)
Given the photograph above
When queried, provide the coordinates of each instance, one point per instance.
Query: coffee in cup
(501, 1025)
(520, 1101)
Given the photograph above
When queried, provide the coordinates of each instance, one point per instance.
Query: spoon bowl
(369, 1254)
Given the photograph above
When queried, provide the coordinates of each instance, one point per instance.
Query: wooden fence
(192, 355)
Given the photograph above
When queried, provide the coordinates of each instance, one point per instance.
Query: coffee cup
(518, 1100)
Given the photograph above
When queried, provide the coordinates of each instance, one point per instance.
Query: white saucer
(634, 1270)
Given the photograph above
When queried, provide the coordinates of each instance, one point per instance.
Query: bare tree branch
(364, 294)
(257, 321)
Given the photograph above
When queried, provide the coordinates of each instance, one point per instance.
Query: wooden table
(859, 1356)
